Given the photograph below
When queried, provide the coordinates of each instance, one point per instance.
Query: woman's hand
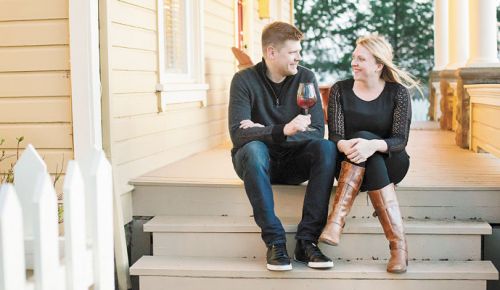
(361, 150)
(346, 145)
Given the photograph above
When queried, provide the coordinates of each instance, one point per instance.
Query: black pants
(381, 168)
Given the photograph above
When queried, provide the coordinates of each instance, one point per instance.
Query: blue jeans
(259, 166)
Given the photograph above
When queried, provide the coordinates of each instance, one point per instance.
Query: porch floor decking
(436, 162)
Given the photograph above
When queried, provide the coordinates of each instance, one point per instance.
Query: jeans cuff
(276, 242)
(307, 238)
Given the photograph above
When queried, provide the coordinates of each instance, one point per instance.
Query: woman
(369, 120)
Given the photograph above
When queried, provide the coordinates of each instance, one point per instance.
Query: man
(271, 145)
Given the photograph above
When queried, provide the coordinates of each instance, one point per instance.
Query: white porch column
(459, 33)
(441, 56)
(483, 33)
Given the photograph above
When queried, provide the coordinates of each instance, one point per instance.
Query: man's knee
(324, 149)
(255, 154)
(321, 146)
(364, 135)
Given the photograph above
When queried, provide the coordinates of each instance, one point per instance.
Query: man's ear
(270, 52)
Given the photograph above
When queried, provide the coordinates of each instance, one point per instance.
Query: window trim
(189, 87)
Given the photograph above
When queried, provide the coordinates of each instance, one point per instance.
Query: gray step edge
(213, 267)
(235, 183)
(366, 225)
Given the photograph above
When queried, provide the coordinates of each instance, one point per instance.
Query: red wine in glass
(306, 98)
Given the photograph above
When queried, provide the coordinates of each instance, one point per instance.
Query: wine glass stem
(306, 111)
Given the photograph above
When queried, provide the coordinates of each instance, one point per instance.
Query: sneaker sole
(279, 267)
(316, 265)
(320, 265)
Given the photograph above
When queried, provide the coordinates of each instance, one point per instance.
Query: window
(174, 19)
(180, 48)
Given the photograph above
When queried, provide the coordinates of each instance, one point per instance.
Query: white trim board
(85, 77)
(86, 109)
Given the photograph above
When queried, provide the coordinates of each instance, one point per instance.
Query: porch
(203, 229)
(436, 162)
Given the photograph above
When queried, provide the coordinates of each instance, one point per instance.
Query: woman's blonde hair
(381, 49)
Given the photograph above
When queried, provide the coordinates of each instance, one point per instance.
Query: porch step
(178, 196)
(444, 181)
(190, 273)
(363, 238)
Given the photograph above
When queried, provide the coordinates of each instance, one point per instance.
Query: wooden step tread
(436, 162)
(365, 225)
(228, 182)
(215, 267)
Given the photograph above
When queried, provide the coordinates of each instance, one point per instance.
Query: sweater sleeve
(336, 130)
(401, 121)
(240, 108)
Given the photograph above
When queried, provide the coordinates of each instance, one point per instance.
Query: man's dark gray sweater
(252, 97)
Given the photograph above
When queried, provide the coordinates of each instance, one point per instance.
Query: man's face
(285, 58)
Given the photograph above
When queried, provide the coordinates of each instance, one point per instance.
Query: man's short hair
(278, 32)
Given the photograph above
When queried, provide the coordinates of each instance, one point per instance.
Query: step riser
(203, 200)
(191, 283)
(352, 246)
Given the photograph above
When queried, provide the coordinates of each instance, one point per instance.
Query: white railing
(420, 109)
(484, 123)
(29, 238)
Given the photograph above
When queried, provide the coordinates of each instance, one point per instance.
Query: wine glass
(306, 98)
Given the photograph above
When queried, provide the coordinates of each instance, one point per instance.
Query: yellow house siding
(220, 36)
(39, 32)
(35, 89)
(138, 138)
(33, 10)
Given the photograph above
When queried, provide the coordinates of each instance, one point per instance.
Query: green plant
(9, 175)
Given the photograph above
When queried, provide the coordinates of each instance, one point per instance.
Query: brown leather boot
(350, 180)
(386, 207)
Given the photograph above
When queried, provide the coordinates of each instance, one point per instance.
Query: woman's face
(364, 65)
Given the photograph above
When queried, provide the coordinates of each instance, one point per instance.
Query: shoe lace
(312, 250)
(279, 251)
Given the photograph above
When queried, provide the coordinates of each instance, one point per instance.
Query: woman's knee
(376, 161)
(364, 135)
(376, 174)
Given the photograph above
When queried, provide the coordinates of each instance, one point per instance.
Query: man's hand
(298, 124)
(245, 124)
(361, 150)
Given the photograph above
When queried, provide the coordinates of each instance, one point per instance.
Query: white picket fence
(29, 237)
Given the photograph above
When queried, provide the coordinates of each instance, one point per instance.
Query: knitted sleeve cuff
(278, 134)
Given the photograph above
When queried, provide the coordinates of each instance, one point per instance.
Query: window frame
(186, 87)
